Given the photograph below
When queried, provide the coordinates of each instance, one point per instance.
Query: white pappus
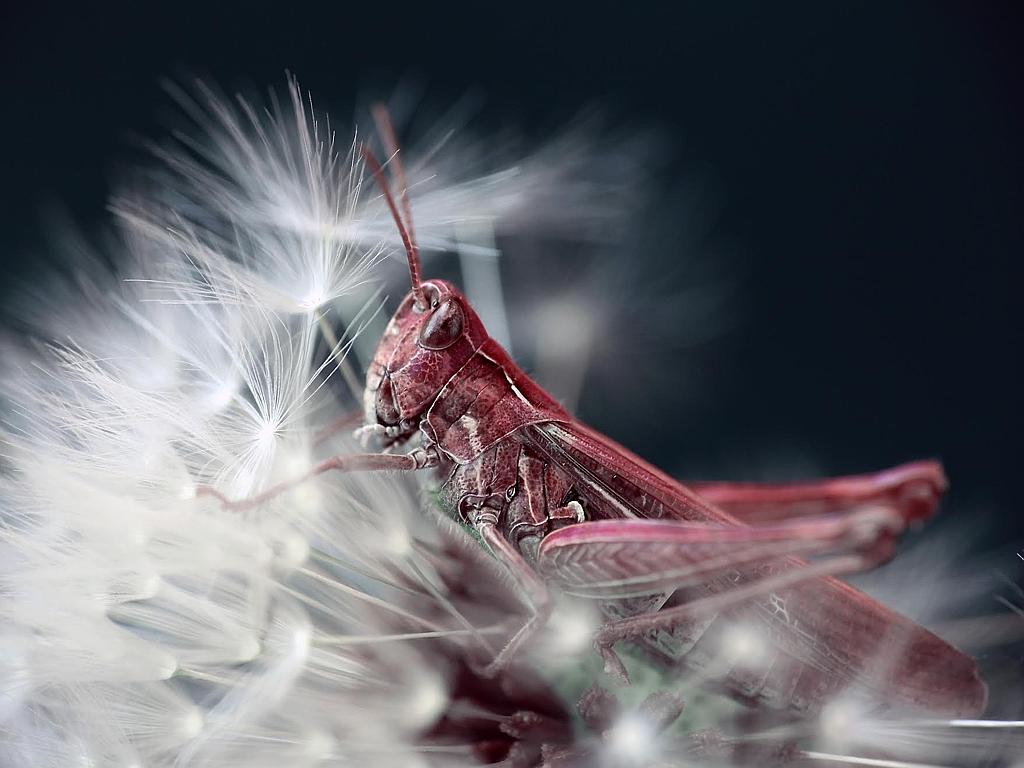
(142, 625)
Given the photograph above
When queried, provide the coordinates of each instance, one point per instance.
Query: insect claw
(365, 434)
(481, 670)
(493, 669)
(613, 666)
(577, 508)
(661, 709)
(599, 708)
(501, 663)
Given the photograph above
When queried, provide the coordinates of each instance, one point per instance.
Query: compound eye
(443, 327)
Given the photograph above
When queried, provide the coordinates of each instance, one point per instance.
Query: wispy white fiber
(142, 625)
(344, 622)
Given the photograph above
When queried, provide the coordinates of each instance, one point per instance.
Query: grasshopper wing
(609, 559)
(826, 635)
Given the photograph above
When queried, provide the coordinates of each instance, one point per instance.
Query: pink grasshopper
(558, 503)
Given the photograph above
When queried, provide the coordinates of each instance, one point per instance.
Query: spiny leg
(914, 489)
(600, 710)
(537, 596)
(536, 593)
(627, 558)
(527, 516)
(635, 626)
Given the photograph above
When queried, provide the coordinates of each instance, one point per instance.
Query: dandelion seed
(570, 631)
(745, 647)
(632, 740)
(319, 745)
(342, 621)
(426, 702)
(839, 721)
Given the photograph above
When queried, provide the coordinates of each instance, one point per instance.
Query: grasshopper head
(431, 336)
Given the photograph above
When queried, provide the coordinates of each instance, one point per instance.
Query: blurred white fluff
(144, 627)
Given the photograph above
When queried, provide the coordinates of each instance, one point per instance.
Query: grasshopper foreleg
(533, 589)
(420, 458)
(531, 586)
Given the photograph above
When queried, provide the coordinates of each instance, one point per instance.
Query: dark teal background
(865, 158)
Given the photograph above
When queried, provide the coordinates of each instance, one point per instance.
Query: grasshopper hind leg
(727, 565)
(669, 618)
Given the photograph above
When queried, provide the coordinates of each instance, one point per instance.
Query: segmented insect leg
(537, 596)
(635, 557)
(914, 489)
(355, 462)
(635, 626)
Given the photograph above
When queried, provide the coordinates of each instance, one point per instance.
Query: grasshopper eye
(443, 327)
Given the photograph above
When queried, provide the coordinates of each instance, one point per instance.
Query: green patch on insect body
(570, 677)
(703, 709)
(440, 504)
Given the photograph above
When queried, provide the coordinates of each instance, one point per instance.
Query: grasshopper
(561, 505)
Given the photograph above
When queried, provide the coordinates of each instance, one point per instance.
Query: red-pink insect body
(673, 567)
(513, 462)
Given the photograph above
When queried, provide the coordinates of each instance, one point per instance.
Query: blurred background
(822, 276)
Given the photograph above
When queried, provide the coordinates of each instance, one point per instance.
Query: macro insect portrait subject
(553, 499)
(317, 456)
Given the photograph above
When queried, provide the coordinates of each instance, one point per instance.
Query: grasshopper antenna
(386, 130)
(405, 231)
(411, 249)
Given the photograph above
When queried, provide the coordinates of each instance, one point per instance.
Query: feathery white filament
(142, 624)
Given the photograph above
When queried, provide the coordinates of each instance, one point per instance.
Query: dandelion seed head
(292, 551)
(839, 721)
(266, 434)
(744, 645)
(396, 540)
(145, 625)
(570, 629)
(219, 395)
(427, 700)
(632, 740)
(319, 745)
(314, 299)
(301, 638)
(191, 724)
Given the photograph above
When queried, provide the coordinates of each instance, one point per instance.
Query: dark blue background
(866, 159)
